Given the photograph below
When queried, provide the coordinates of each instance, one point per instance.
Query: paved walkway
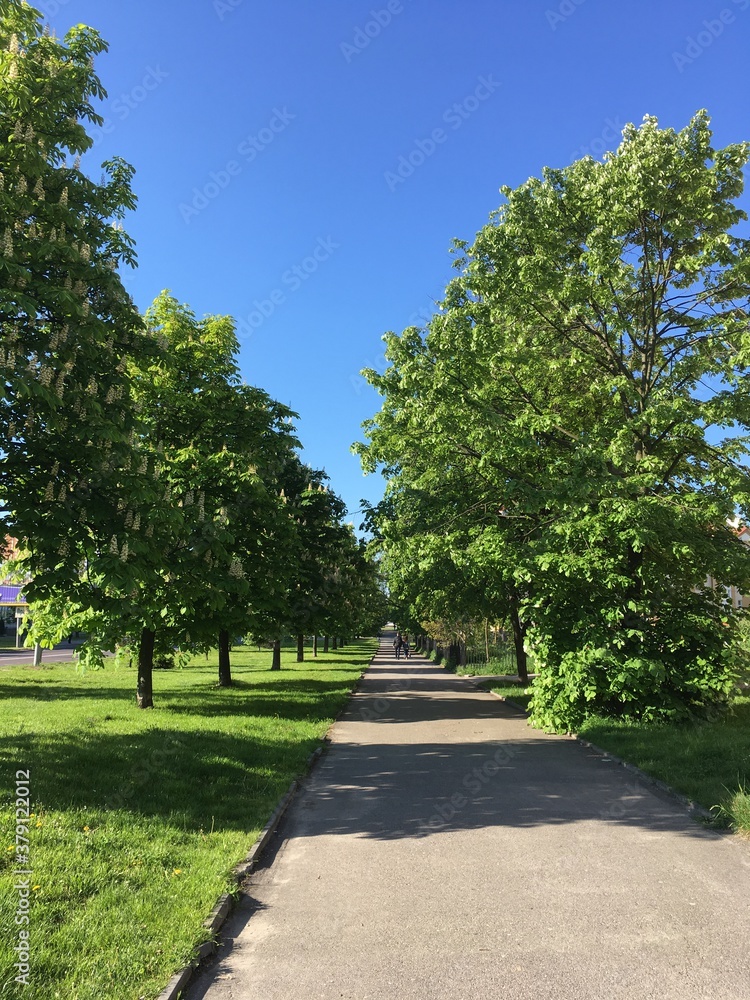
(64, 653)
(442, 849)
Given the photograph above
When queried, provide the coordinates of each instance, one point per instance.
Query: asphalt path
(25, 657)
(441, 848)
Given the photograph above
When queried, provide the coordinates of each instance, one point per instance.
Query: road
(25, 657)
(442, 849)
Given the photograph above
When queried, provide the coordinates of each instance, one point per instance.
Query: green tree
(67, 455)
(584, 366)
(216, 447)
(220, 447)
(354, 601)
(316, 513)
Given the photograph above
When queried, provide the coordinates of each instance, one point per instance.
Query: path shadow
(388, 792)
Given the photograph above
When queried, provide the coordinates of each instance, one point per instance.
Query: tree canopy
(153, 493)
(578, 412)
(66, 423)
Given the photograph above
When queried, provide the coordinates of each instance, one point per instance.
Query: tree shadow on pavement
(389, 791)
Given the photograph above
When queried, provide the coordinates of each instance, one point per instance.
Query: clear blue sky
(267, 136)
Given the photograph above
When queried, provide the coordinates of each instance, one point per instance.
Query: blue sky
(304, 166)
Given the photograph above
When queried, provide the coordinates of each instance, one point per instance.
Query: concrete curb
(225, 903)
(176, 986)
(694, 809)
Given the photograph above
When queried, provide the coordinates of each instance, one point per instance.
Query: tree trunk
(315, 645)
(300, 648)
(276, 659)
(519, 634)
(325, 643)
(462, 653)
(334, 643)
(341, 643)
(37, 654)
(144, 697)
(225, 670)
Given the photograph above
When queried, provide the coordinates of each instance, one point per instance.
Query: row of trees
(565, 443)
(159, 499)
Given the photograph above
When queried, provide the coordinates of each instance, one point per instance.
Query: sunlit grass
(139, 816)
(518, 693)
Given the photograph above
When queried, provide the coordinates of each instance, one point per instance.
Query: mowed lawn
(139, 816)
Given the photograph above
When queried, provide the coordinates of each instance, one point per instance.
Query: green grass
(518, 693)
(483, 668)
(139, 816)
(502, 661)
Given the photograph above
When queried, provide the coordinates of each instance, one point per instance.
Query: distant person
(405, 647)
(398, 644)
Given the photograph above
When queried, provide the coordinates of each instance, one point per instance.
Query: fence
(495, 656)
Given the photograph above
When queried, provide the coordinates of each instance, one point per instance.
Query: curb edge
(174, 990)
(694, 809)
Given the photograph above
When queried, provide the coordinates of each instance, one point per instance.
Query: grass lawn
(139, 816)
(518, 693)
(502, 661)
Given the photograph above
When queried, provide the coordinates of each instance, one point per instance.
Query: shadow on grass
(244, 700)
(62, 692)
(319, 660)
(254, 699)
(204, 755)
(190, 779)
